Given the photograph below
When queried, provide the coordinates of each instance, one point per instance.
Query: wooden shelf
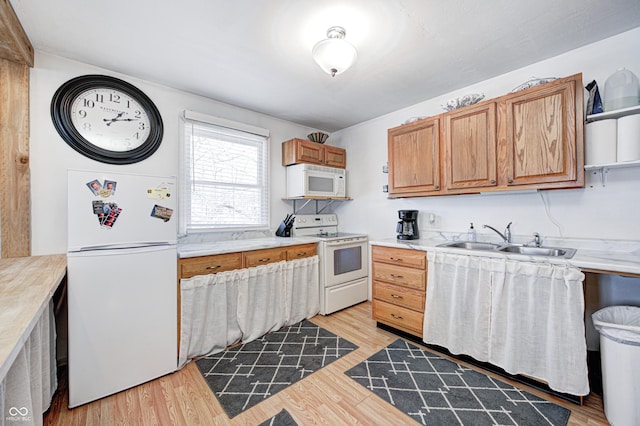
(614, 114)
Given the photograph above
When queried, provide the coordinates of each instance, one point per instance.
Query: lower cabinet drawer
(205, 265)
(262, 257)
(397, 316)
(401, 296)
(301, 251)
(399, 275)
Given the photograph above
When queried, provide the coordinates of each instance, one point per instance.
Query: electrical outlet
(431, 220)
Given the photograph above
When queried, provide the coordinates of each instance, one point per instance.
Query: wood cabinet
(263, 257)
(399, 284)
(470, 147)
(532, 139)
(543, 143)
(205, 265)
(297, 151)
(414, 159)
(301, 251)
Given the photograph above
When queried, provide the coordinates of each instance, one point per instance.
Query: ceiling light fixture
(334, 54)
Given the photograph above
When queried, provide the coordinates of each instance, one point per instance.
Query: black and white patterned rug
(435, 391)
(243, 376)
(283, 418)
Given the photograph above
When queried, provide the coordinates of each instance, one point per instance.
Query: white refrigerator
(121, 277)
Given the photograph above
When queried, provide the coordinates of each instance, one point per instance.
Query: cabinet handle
(213, 267)
(264, 260)
(437, 187)
(396, 316)
(395, 296)
(510, 180)
(304, 253)
(395, 259)
(396, 276)
(493, 182)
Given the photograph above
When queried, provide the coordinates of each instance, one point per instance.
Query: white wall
(51, 156)
(592, 212)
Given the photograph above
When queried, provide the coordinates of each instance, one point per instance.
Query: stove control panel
(315, 220)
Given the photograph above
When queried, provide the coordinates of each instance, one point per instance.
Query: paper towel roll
(629, 138)
(600, 142)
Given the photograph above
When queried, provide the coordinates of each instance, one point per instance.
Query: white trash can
(619, 328)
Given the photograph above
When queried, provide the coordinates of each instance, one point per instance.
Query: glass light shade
(334, 55)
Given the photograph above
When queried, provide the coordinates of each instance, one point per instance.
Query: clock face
(110, 119)
(107, 119)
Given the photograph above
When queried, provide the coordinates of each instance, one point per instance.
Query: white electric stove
(344, 261)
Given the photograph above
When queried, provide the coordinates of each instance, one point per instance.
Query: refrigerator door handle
(126, 246)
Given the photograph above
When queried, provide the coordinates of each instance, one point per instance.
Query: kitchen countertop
(26, 286)
(617, 257)
(234, 246)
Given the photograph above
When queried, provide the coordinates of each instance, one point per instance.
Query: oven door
(345, 260)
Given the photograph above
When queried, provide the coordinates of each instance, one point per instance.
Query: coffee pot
(407, 227)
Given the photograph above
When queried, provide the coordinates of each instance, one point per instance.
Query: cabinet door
(470, 147)
(296, 151)
(543, 140)
(414, 158)
(335, 157)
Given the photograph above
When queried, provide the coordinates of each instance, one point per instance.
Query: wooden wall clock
(107, 119)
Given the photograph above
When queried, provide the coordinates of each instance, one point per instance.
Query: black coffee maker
(407, 227)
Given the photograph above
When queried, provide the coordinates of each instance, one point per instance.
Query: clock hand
(109, 121)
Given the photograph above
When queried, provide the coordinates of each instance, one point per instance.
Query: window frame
(186, 119)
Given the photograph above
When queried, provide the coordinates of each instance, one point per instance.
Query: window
(225, 175)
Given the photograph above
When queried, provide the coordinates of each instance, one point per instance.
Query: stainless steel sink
(566, 253)
(471, 245)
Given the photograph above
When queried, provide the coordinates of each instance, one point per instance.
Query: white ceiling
(256, 54)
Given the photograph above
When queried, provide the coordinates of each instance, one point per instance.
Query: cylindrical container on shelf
(628, 138)
(621, 90)
(600, 142)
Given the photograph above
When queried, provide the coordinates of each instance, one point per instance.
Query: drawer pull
(396, 276)
(214, 267)
(396, 296)
(395, 259)
(266, 259)
(396, 316)
(304, 253)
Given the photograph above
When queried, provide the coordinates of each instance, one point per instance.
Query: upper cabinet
(544, 144)
(295, 151)
(470, 142)
(414, 159)
(532, 139)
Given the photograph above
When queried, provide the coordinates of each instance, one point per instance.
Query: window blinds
(225, 177)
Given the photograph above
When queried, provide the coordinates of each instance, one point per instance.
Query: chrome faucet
(507, 232)
(537, 241)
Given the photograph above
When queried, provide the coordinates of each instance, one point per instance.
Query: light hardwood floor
(327, 397)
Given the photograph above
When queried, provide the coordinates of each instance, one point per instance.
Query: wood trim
(15, 207)
(14, 43)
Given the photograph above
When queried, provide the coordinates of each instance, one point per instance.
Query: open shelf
(327, 201)
(614, 114)
(603, 169)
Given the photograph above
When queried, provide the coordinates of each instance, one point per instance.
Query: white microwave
(309, 180)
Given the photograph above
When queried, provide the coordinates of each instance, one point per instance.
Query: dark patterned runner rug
(435, 391)
(243, 376)
(283, 418)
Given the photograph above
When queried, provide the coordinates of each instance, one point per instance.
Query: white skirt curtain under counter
(302, 289)
(208, 313)
(241, 305)
(27, 389)
(525, 317)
